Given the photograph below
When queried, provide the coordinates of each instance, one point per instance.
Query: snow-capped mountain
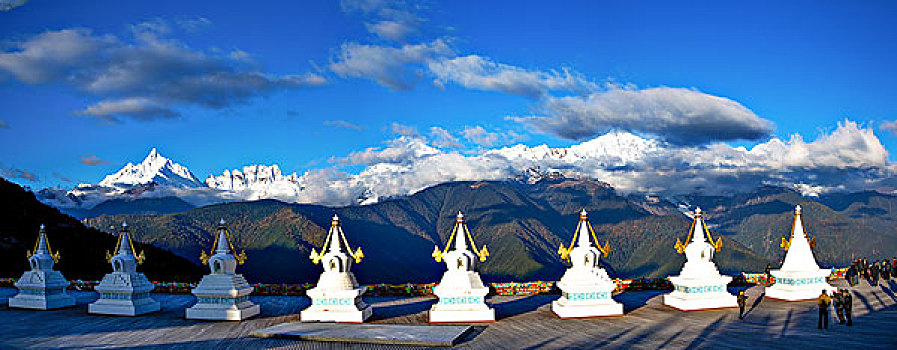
(614, 148)
(154, 169)
(156, 176)
(258, 182)
(630, 163)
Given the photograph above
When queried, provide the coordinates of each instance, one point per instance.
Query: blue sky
(802, 67)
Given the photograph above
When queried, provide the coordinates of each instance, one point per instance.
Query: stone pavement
(523, 322)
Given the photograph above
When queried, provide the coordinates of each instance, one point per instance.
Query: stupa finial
(797, 230)
(581, 237)
(125, 246)
(697, 234)
(223, 245)
(460, 241)
(42, 245)
(460, 235)
(332, 243)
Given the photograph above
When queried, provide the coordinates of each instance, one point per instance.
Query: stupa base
(119, 307)
(461, 305)
(218, 312)
(700, 293)
(586, 299)
(34, 302)
(798, 286)
(313, 314)
(806, 292)
(462, 316)
(569, 310)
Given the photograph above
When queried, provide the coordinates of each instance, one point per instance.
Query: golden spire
(583, 224)
(333, 243)
(222, 244)
(127, 248)
(460, 243)
(786, 243)
(698, 221)
(42, 244)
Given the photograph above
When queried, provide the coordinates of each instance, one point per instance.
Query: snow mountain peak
(154, 169)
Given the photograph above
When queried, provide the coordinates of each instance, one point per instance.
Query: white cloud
(682, 116)
(392, 29)
(480, 73)
(399, 68)
(136, 108)
(401, 150)
(849, 158)
(342, 124)
(889, 126)
(388, 19)
(145, 76)
(7, 5)
(442, 138)
(404, 130)
(480, 136)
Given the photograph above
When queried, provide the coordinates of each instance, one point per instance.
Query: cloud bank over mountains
(850, 158)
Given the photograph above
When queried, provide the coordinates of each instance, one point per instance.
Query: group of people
(871, 271)
(842, 301)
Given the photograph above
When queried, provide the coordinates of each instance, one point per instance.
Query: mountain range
(407, 165)
(82, 249)
(523, 219)
(522, 224)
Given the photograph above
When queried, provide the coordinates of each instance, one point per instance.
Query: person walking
(742, 300)
(823, 303)
(839, 306)
(769, 275)
(847, 302)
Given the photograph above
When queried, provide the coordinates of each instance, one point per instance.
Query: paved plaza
(523, 322)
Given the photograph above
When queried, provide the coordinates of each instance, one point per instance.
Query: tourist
(839, 306)
(894, 268)
(885, 270)
(851, 271)
(847, 302)
(873, 272)
(864, 268)
(742, 300)
(823, 303)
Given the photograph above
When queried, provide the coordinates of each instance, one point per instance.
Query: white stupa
(42, 288)
(222, 295)
(337, 297)
(800, 278)
(124, 292)
(461, 291)
(699, 285)
(586, 288)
